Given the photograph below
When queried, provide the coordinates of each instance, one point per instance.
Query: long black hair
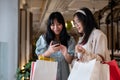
(50, 35)
(88, 22)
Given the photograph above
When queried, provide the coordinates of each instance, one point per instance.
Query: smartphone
(56, 42)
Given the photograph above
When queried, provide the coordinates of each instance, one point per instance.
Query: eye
(58, 24)
(52, 24)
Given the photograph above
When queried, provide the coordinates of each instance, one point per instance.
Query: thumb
(51, 43)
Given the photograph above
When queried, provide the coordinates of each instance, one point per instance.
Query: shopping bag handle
(40, 57)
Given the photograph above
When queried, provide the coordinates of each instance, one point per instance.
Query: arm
(65, 53)
(99, 48)
(41, 45)
(52, 49)
(68, 53)
(43, 49)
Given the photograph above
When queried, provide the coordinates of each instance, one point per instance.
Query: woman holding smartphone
(57, 44)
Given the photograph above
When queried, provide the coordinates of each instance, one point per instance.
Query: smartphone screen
(56, 42)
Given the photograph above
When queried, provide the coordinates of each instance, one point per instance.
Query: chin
(57, 33)
(80, 31)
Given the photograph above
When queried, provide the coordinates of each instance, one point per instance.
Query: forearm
(68, 57)
(87, 56)
(46, 54)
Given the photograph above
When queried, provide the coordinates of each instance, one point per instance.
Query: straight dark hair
(50, 35)
(88, 22)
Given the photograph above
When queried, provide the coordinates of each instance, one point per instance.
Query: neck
(57, 37)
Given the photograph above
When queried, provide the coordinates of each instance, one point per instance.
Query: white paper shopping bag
(82, 71)
(100, 71)
(44, 70)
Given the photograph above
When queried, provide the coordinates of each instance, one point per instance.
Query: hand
(65, 53)
(63, 49)
(79, 49)
(53, 48)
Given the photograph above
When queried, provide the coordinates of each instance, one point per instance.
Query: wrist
(46, 54)
(65, 53)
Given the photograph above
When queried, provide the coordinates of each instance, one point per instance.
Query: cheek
(52, 28)
(60, 28)
(80, 28)
(57, 30)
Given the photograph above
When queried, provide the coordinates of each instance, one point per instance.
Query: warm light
(22, 78)
(72, 23)
(22, 67)
(66, 24)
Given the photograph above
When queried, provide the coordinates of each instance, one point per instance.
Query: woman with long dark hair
(92, 42)
(57, 44)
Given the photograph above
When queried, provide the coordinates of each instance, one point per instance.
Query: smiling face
(78, 24)
(56, 27)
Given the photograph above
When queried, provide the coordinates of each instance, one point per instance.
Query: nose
(56, 27)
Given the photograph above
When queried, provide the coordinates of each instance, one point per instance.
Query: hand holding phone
(56, 42)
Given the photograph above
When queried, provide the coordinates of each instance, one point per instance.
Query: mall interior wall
(8, 39)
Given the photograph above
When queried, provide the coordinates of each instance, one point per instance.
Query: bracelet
(101, 57)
